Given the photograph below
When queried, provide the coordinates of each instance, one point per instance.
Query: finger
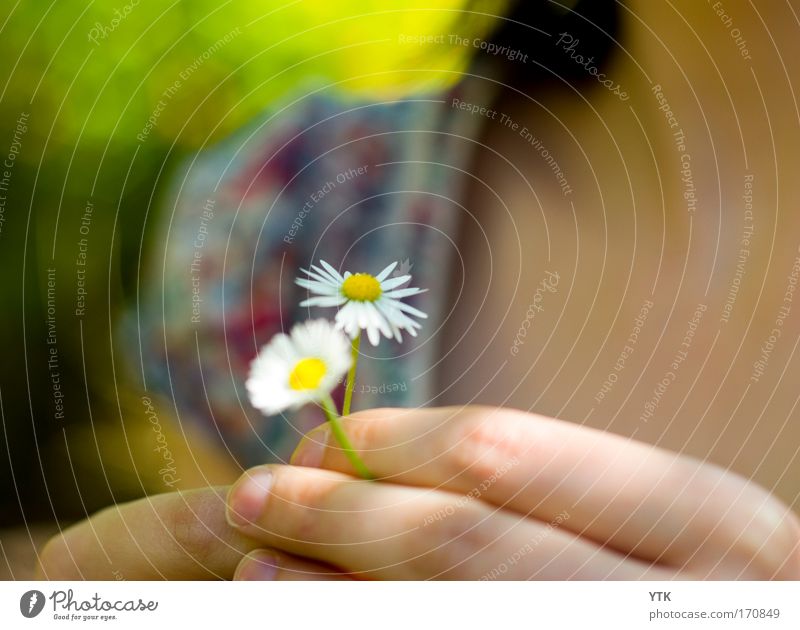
(174, 536)
(271, 565)
(388, 531)
(631, 496)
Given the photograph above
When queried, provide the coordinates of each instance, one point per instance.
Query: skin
(600, 494)
(567, 502)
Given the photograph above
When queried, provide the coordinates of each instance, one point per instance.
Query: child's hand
(477, 492)
(175, 536)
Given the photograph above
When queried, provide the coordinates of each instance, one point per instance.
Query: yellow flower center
(307, 374)
(362, 287)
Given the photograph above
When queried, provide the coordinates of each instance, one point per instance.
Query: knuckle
(482, 445)
(773, 541)
(302, 500)
(792, 565)
(364, 431)
(757, 538)
(450, 547)
(189, 531)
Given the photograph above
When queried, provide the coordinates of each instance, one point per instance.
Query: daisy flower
(370, 303)
(296, 369)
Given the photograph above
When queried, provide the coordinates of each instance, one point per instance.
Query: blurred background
(99, 101)
(104, 102)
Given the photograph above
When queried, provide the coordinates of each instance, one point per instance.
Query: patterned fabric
(356, 183)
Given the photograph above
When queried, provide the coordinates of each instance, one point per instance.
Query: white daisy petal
(378, 319)
(399, 320)
(397, 317)
(362, 316)
(374, 335)
(388, 285)
(387, 313)
(385, 273)
(324, 300)
(319, 277)
(401, 293)
(335, 274)
(282, 347)
(327, 276)
(317, 286)
(411, 310)
(346, 319)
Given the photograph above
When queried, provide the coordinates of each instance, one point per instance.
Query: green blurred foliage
(104, 65)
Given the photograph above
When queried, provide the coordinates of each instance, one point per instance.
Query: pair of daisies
(306, 365)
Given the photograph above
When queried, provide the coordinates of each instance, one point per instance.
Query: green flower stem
(338, 431)
(351, 376)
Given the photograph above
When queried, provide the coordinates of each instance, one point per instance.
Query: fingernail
(257, 567)
(248, 497)
(311, 450)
